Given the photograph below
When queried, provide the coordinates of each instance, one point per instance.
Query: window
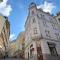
(54, 27)
(33, 12)
(47, 33)
(43, 17)
(35, 30)
(57, 35)
(34, 20)
(31, 45)
(59, 19)
(50, 18)
(38, 16)
(45, 24)
(52, 49)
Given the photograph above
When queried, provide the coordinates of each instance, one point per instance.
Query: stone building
(4, 36)
(42, 35)
(58, 19)
(21, 44)
(17, 46)
(13, 48)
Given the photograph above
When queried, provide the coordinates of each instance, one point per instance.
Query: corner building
(42, 36)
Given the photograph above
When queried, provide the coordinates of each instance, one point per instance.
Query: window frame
(34, 21)
(47, 33)
(35, 31)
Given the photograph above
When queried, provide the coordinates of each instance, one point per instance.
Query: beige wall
(4, 34)
(18, 44)
(20, 40)
(13, 48)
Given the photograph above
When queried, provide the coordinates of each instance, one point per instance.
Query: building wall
(20, 40)
(58, 20)
(21, 43)
(41, 26)
(4, 34)
(13, 48)
(17, 46)
(46, 51)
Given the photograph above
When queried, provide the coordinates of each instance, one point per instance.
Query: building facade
(42, 35)
(4, 36)
(21, 44)
(17, 46)
(13, 48)
(58, 19)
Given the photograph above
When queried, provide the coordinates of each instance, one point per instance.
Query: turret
(32, 8)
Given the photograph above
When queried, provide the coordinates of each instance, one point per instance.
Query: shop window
(52, 49)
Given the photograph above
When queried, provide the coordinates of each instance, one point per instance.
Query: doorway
(39, 53)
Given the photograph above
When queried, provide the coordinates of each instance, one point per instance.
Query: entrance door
(39, 53)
